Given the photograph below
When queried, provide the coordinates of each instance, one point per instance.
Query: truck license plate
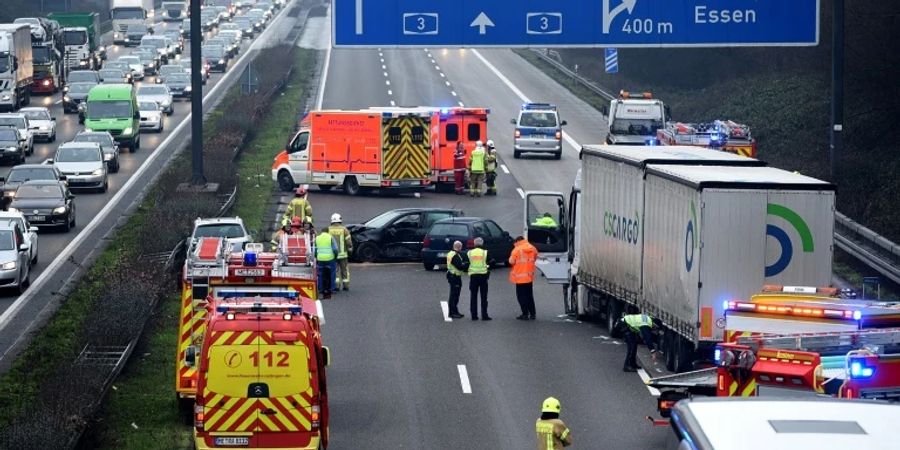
(234, 441)
(250, 272)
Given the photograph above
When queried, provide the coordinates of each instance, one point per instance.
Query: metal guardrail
(865, 245)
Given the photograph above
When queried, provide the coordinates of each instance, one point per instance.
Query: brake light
(518, 134)
(470, 243)
(314, 422)
(558, 135)
(426, 242)
(199, 417)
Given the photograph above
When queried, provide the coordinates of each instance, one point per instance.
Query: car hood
(8, 255)
(78, 96)
(28, 204)
(177, 84)
(139, 68)
(152, 98)
(41, 123)
(5, 144)
(151, 114)
(71, 167)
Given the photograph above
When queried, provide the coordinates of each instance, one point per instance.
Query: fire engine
(724, 135)
(212, 270)
(262, 374)
(843, 364)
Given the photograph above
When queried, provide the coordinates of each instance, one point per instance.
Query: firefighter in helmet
(295, 227)
(490, 168)
(552, 433)
(345, 247)
(298, 207)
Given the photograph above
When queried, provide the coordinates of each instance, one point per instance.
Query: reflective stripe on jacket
(478, 261)
(476, 160)
(342, 236)
(552, 434)
(522, 259)
(325, 247)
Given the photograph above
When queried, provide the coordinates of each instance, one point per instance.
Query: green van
(113, 108)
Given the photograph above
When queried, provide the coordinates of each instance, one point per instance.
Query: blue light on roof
(249, 258)
(857, 315)
(725, 304)
(859, 370)
(445, 110)
(717, 355)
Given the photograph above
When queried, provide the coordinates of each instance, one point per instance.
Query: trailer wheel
(669, 350)
(684, 353)
(612, 314)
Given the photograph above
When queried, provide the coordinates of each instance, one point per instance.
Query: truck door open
(547, 228)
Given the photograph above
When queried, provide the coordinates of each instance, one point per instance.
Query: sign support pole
(837, 91)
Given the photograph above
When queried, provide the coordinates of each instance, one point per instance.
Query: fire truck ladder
(201, 268)
(880, 341)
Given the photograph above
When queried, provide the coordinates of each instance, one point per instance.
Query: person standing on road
(476, 169)
(522, 260)
(298, 207)
(345, 247)
(459, 168)
(457, 265)
(326, 253)
(490, 168)
(636, 326)
(479, 272)
(552, 433)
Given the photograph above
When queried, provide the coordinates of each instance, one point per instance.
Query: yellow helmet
(551, 405)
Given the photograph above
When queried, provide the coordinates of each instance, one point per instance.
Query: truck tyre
(285, 181)
(612, 314)
(27, 100)
(351, 186)
(684, 353)
(557, 156)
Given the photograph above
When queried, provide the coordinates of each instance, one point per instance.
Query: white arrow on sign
(608, 15)
(483, 21)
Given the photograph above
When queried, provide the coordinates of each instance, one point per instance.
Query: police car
(538, 130)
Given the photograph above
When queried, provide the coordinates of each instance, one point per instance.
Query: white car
(83, 165)
(40, 122)
(20, 122)
(151, 116)
(159, 94)
(230, 228)
(30, 232)
(136, 65)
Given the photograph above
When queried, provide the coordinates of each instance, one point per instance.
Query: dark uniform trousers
(631, 340)
(478, 283)
(455, 282)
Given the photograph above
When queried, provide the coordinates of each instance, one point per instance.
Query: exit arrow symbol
(482, 22)
(608, 15)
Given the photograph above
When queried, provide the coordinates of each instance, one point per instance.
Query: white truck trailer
(16, 67)
(127, 12)
(678, 231)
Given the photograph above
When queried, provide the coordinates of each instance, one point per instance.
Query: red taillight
(470, 243)
(518, 134)
(426, 242)
(198, 417)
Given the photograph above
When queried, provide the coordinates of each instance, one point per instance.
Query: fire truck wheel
(351, 186)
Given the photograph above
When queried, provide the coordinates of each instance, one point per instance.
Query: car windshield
(165, 70)
(18, 122)
(635, 127)
(151, 90)
(17, 175)
(4, 64)
(137, 28)
(74, 37)
(158, 42)
(81, 76)
(130, 60)
(382, 219)
(80, 88)
(40, 55)
(6, 240)
(42, 191)
(178, 78)
(127, 14)
(109, 109)
(148, 106)
(76, 154)
(118, 65)
(146, 56)
(449, 229)
(8, 135)
(537, 119)
(111, 73)
(213, 52)
(100, 138)
(219, 230)
(37, 115)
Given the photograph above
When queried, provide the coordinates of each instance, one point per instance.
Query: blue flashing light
(725, 305)
(717, 355)
(295, 310)
(445, 111)
(859, 370)
(247, 294)
(249, 258)
(652, 142)
(857, 315)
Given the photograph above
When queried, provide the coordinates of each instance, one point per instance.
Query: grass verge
(141, 412)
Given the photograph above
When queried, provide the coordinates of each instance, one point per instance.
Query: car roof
(34, 108)
(218, 221)
(33, 166)
(43, 183)
(73, 144)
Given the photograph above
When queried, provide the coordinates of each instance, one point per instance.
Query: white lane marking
(383, 67)
(645, 378)
(461, 105)
(505, 169)
(380, 54)
(437, 67)
(113, 203)
(385, 74)
(521, 192)
(57, 102)
(387, 82)
(433, 61)
(575, 145)
(441, 74)
(393, 103)
(390, 92)
(321, 97)
(453, 93)
(382, 59)
(445, 309)
(447, 83)
(464, 378)
(359, 17)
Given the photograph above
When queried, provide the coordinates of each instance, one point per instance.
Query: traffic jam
(642, 245)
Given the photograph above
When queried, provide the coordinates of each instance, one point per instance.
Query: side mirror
(2, 179)
(506, 234)
(668, 111)
(33, 229)
(190, 356)
(604, 110)
(137, 114)
(62, 178)
(23, 248)
(512, 121)
(15, 63)
(70, 196)
(563, 123)
(48, 161)
(326, 356)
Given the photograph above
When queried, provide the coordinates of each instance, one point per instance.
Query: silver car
(40, 122)
(135, 64)
(29, 231)
(108, 145)
(15, 269)
(82, 164)
(159, 94)
(151, 116)
(19, 122)
(538, 130)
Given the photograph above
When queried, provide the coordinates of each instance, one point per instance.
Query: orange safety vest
(522, 259)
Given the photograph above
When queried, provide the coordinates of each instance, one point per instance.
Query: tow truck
(724, 135)
(843, 364)
(212, 269)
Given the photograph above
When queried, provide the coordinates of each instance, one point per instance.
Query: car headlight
(102, 48)
(67, 99)
(65, 89)
(188, 89)
(127, 130)
(82, 63)
(117, 35)
(10, 194)
(45, 128)
(166, 103)
(60, 210)
(158, 80)
(127, 40)
(221, 61)
(12, 149)
(8, 265)
(5, 97)
(97, 172)
(107, 156)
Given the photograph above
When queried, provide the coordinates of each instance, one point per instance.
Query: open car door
(547, 228)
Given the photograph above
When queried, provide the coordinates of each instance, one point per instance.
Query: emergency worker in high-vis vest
(457, 265)
(636, 326)
(476, 169)
(326, 255)
(479, 272)
(552, 433)
(345, 247)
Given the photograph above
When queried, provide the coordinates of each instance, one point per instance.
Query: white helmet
(490, 143)
(479, 144)
(336, 218)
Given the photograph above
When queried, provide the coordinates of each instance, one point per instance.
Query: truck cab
(262, 377)
(634, 119)
(127, 12)
(538, 129)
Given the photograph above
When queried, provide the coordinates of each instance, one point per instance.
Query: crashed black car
(396, 235)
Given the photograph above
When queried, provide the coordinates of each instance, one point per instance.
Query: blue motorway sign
(574, 23)
(611, 60)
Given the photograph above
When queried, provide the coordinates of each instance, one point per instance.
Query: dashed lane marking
(393, 103)
(445, 309)
(645, 378)
(521, 192)
(464, 378)
(505, 169)
(453, 93)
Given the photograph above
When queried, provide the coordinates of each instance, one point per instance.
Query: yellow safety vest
(450, 268)
(544, 222)
(324, 251)
(636, 321)
(477, 160)
(478, 261)
(340, 234)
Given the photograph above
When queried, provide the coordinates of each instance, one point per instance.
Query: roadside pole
(837, 91)
(197, 177)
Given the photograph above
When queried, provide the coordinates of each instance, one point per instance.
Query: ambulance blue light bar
(248, 294)
(859, 369)
(249, 258)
